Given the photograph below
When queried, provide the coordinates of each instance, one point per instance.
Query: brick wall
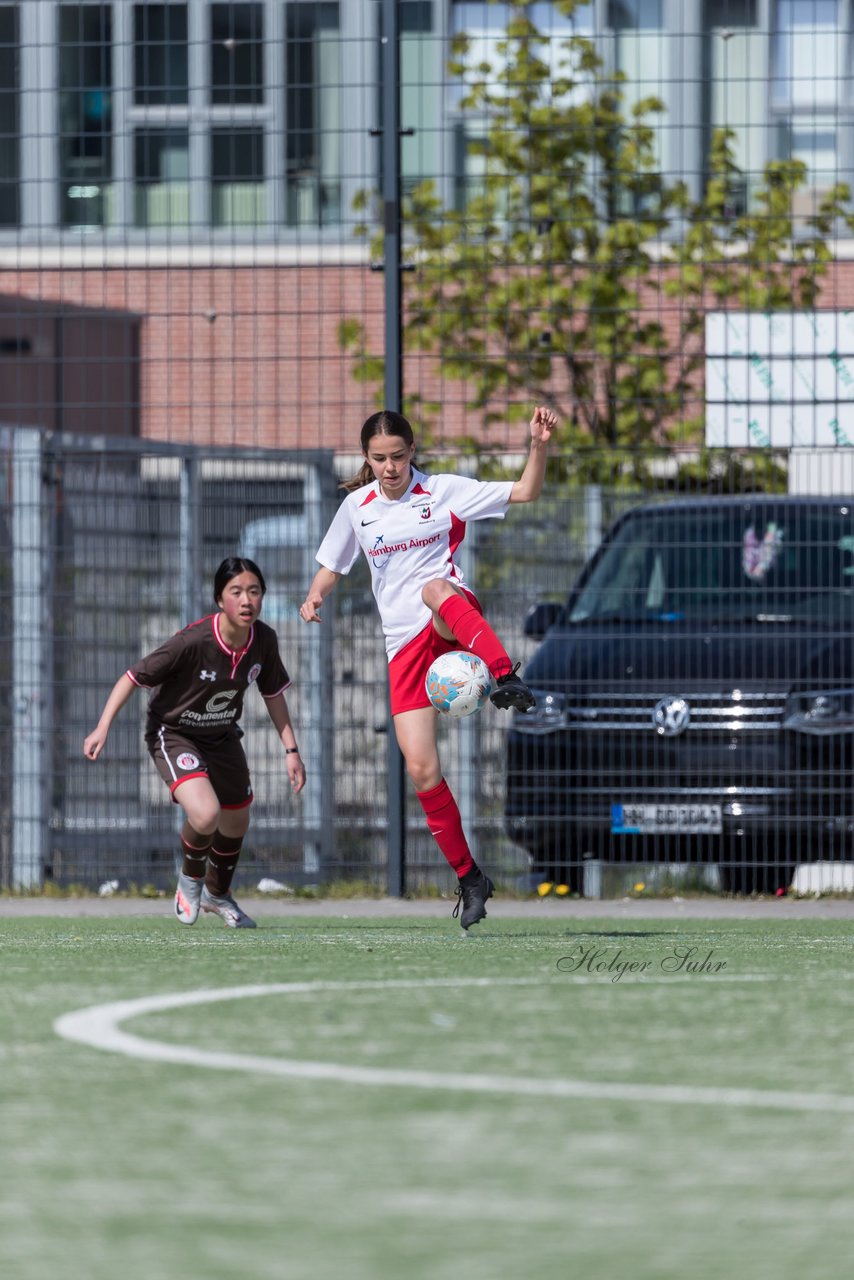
(250, 355)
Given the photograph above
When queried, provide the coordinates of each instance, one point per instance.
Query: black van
(695, 695)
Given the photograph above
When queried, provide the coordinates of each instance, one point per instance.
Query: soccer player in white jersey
(409, 525)
(197, 681)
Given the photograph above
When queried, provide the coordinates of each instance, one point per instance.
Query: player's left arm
(529, 486)
(277, 709)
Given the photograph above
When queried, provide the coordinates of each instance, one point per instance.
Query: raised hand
(543, 424)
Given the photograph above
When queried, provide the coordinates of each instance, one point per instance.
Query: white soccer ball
(458, 683)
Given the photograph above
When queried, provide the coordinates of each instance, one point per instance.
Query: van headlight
(547, 714)
(824, 712)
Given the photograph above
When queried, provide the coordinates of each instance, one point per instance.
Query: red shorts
(408, 669)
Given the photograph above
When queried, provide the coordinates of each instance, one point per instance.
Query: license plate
(652, 819)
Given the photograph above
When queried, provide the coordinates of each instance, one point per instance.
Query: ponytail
(362, 477)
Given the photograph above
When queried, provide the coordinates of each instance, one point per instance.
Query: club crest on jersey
(254, 672)
(424, 511)
(186, 760)
(207, 675)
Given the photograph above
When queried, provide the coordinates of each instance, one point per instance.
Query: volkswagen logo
(671, 717)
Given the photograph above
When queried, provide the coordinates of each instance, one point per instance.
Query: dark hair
(384, 423)
(230, 568)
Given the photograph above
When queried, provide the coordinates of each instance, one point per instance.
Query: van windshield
(748, 562)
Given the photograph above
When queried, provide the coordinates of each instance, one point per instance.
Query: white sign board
(779, 379)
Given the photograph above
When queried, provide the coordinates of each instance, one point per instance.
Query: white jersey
(408, 541)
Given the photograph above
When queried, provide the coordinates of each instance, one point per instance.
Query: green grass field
(550, 1098)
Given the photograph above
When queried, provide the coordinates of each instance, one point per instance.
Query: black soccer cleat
(511, 693)
(473, 891)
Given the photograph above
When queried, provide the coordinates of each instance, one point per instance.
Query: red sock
(472, 630)
(446, 826)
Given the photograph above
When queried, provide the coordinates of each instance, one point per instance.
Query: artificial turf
(718, 1144)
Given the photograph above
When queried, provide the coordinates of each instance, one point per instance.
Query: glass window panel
(237, 54)
(237, 177)
(640, 53)
(160, 54)
(635, 15)
(313, 114)
(486, 24)
(815, 142)
(422, 61)
(806, 52)
(162, 177)
(85, 114)
(416, 17)
(10, 144)
(735, 86)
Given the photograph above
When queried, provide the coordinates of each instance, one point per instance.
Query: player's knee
(204, 818)
(436, 591)
(234, 823)
(423, 774)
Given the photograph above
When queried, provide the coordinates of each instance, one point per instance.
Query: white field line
(99, 1027)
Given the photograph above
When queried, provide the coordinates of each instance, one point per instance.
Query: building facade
(198, 166)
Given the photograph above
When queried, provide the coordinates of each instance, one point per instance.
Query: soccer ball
(458, 683)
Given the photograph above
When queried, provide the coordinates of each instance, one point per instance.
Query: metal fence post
(318, 736)
(189, 539)
(396, 868)
(31, 668)
(592, 518)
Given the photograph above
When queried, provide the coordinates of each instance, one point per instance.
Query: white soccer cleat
(188, 896)
(227, 910)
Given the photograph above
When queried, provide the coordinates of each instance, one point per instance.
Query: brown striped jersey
(198, 682)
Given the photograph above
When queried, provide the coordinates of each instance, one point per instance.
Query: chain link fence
(729, 611)
(634, 211)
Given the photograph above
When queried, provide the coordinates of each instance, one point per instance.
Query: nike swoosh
(366, 522)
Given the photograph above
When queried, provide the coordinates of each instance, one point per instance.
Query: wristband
(291, 751)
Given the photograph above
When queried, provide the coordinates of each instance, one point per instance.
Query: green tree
(552, 280)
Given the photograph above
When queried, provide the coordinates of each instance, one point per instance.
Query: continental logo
(410, 545)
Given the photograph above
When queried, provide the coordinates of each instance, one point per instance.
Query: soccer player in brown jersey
(197, 680)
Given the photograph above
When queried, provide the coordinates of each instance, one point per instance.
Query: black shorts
(221, 760)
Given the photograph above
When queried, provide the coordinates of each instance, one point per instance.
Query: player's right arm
(340, 547)
(121, 692)
(324, 581)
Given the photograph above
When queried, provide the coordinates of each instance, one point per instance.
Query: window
(162, 169)
(313, 114)
(805, 74)
(735, 88)
(85, 114)
(160, 54)
(639, 44)
(237, 54)
(639, 47)
(10, 164)
(422, 60)
(237, 177)
(806, 78)
(485, 24)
